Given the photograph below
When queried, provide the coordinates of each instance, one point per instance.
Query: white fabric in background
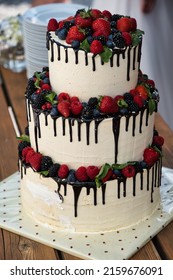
(157, 58)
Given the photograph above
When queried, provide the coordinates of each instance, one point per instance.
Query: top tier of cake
(89, 54)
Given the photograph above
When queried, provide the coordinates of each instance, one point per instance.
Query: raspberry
(64, 108)
(81, 174)
(35, 161)
(138, 100)
(63, 171)
(127, 37)
(158, 140)
(52, 24)
(108, 105)
(92, 171)
(128, 171)
(150, 156)
(96, 47)
(63, 96)
(76, 107)
(46, 87)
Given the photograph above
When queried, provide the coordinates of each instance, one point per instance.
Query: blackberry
(27, 130)
(46, 163)
(45, 91)
(128, 96)
(119, 42)
(93, 101)
(102, 39)
(53, 170)
(45, 69)
(30, 87)
(115, 17)
(79, 11)
(88, 31)
(133, 107)
(138, 167)
(68, 25)
(39, 101)
(21, 146)
(87, 112)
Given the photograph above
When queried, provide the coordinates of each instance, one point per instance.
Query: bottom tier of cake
(83, 207)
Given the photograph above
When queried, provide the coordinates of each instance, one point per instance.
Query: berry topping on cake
(150, 156)
(63, 171)
(52, 24)
(92, 171)
(64, 108)
(158, 140)
(53, 170)
(46, 163)
(29, 154)
(127, 38)
(96, 47)
(76, 34)
(102, 26)
(126, 24)
(76, 107)
(138, 100)
(35, 161)
(81, 174)
(83, 19)
(108, 105)
(142, 91)
(128, 171)
(107, 14)
(95, 13)
(108, 176)
(63, 96)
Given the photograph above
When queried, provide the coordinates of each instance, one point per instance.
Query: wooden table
(16, 247)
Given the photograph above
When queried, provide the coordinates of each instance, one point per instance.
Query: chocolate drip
(59, 54)
(128, 64)
(134, 185)
(141, 179)
(147, 116)
(88, 132)
(76, 57)
(66, 55)
(124, 188)
(70, 130)
(141, 120)
(54, 127)
(97, 122)
(52, 51)
(37, 130)
(86, 58)
(79, 130)
(152, 183)
(46, 119)
(116, 132)
(118, 60)
(94, 63)
(63, 126)
(103, 193)
(127, 122)
(77, 190)
(134, 58)
(148, 179)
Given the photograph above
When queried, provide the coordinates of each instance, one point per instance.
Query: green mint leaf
(24, 137)
(106, 54)
(157, 150)
(119, 166)
(151, 106)
(122, 103)
(50, 97)
(84, 45)
(136, 37)
(44, 173)
(103, 171)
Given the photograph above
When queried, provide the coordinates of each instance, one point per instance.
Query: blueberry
(143, 164)
(46, 80)
(110, 37)
(84, 104)
(43, 76)
(123, 111)
(90, 39)
(54, 112)
(96, 113)
(61, 33)
(71, 176)
(110, 44)
(75, 44)
(33, 97)
(117, 172)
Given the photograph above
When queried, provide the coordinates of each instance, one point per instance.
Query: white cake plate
(115, 245)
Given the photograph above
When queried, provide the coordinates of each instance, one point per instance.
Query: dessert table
(12, 123)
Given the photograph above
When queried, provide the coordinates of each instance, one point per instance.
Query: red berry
(138, 100)
(81, 174)
(63, 96)
(107, 14)
(128, 171)
(64, 108)
(133, 92)
(108, 105)
(52, 24)
(74, 98)
(142, 91)
(127, 37)
(29, 154)
(133, 24)
(44, 107)
(96, 47)
(150, 156)
(35, 161)
(63, 171)
(95, 13)
(48, 106)
(108, 176)
(102, 25)
(76, 107)
(117, 98)
(92, 171)
(83, 20)
(124, 24)
(46, 87)
(151, 83)
(38, 91)
(157, 140)
(25, 151)
(75, 34)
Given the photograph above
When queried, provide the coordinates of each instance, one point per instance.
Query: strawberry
(35, 161)
(29, 155)
(124, 24)
(81, 174)
(133, 92)
(52, 24)
(117, 98)
(63, 96)
(95, 13)
(157, 140)
(76, 107)
(96, 47)
(127, 37)
(92, 171)
(151, 83)
(102, 25)
(62, 22)
(142, 91)
(133, 24)
(74, 34)
(108, 175)
(74, 98)
(25, 151)
(138, 100)
(150, 156)
(64, 108)
(107, 14)
(128, 171)
(83, 20)
(46, 87)
(63, 171)
(108, 105)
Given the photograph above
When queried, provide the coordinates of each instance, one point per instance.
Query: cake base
(118, 245)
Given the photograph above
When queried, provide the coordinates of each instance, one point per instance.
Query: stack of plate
(34, 29)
